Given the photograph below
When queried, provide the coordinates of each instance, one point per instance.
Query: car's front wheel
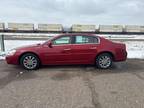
(104, 61)
(30, 61)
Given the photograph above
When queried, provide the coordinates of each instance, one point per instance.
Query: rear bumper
(121, 57)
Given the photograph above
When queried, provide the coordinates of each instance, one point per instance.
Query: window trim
(73, 40)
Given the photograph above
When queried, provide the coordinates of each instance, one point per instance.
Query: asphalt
(82, 86)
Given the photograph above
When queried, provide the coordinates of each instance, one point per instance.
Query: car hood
(29, 46)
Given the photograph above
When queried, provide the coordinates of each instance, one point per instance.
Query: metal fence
(39, 36)
(4, 37)
(2, 48)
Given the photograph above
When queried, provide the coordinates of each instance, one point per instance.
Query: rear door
(84, 49)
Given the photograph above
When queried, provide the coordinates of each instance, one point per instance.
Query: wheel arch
(29, 52)
(109, 52)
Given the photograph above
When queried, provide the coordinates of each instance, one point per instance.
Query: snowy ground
(11, 44)
(135, 49)
(126, 37)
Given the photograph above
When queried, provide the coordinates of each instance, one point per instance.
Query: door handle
(93, 48)
(67, 49)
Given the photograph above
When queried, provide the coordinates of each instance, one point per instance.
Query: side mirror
(50, 44)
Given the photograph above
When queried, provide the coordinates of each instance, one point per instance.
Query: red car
(69, 49)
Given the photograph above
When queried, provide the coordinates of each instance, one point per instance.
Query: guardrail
(2, 48)
(42, 36)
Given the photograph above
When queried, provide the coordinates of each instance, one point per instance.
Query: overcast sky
(68, 12)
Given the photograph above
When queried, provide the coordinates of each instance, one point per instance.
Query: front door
(60, 52)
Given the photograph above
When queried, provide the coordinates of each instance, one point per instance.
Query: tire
(104, 61)
(30, 61)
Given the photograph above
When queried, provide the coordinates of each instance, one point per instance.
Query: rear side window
(85, 39)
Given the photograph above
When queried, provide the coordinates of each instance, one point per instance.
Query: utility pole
(2, 48)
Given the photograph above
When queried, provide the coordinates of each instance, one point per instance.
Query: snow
(11, 44)
(2, 55)
(123, 36)
(135, 49)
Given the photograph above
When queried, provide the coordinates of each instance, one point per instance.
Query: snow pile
(135, 49)
(2, 55)
(11, 44)
(126, 37)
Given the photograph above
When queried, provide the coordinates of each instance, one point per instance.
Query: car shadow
(130, 66)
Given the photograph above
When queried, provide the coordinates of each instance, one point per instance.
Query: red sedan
(69, 49)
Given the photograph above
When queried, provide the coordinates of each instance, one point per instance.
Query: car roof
(72, 34)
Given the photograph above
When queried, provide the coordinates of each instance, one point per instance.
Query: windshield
(46, 40)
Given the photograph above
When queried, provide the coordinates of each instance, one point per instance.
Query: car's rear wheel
(104, 61)
(30, 61)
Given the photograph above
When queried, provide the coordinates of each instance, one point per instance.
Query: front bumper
(12, 59)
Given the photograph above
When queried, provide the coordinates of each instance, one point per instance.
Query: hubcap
(30, 62)
(104, 61)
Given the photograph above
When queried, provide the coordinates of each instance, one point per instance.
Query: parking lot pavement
(122, 86)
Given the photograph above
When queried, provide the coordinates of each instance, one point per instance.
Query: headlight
(11, 52)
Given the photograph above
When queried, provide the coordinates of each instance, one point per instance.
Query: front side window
(85, 39)
(62, 40)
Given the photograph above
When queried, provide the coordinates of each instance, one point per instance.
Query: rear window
(85, 39)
